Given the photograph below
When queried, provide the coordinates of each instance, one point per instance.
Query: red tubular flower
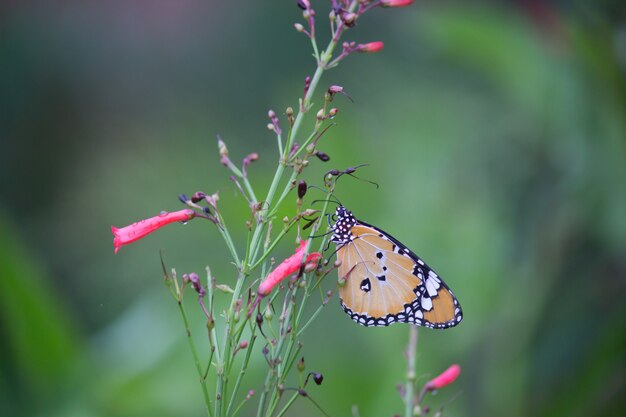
(445, 378)
(142, 228)
(286, 268)
(395, 3)
(370, 47)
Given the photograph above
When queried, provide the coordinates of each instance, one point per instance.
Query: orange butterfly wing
(387, 283)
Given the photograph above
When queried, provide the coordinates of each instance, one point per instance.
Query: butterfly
(385, 282)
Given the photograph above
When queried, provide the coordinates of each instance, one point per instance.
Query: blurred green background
(497, 133)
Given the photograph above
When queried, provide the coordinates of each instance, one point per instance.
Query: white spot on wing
(427, 303)
(432, 291)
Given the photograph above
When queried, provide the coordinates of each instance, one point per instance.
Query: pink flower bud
(445, 378)
(286, 268)
(142, 228)
(370, 47)
(395, 3)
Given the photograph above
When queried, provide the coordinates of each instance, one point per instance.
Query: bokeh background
(497, 133)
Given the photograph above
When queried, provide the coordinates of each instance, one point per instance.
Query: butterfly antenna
(330, 197)
(322, 235)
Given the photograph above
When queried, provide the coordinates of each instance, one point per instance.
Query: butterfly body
(386, 283)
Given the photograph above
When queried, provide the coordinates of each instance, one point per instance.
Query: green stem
(409, 388)
(324, 59)
(244, 367)
(269, 250)
(286, 407)
(229, 241)
(263, 398)
(194, 353)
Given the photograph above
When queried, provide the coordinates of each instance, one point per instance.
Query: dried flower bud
(341, 282)
(370, 47)
(337, 263)
(248, 160)
(198, 196)
(289, 112)
(333, 112)
(243, 344)
(250, 394)
(302, 188)
(270, 127)
(299, 27)
(183, 198)
(320, 114)
(221, 146)
(304, 4)
(225, 288)
(196, 284)
(268, 314)
(309, 212)
(322, 156)
(334, 89)
(259, 319)
(349, 19)
(318, 378)
(308, 268)
(300, 365)
(294, 149)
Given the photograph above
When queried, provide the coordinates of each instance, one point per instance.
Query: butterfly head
(344, 220)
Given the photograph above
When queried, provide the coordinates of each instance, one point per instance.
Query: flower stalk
(275, 312)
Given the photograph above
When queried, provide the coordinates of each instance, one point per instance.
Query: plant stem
(194, 353)
(244, 367)
(409, 394)
(324, 59)
(289, 403)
